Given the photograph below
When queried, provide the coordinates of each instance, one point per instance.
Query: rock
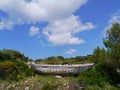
(118, 84)
(26, 88)
(58, 76)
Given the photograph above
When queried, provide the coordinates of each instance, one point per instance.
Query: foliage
(97, 77)
(106, 86)
(107, 62)
(94, 76)
(113, 36)
(112, 43)
(8, 70)
(13, 65)
(62, 60)
(7, 54)
(14, 70)
(100, 55)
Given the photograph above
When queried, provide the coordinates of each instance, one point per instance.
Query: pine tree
(112, 43)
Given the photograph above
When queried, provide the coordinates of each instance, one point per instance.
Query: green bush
(14, 71)
(99, 77)
(8, 70)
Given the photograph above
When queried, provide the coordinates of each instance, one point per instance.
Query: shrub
(8, 70)
(14, 71)
(95, 76)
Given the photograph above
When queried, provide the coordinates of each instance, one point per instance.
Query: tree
(99, 55)
(112, 43)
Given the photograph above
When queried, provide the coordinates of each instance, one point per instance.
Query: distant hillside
(62, 60)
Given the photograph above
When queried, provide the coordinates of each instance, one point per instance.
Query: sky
(44, 28)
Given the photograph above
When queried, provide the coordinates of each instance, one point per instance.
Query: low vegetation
(13, 66)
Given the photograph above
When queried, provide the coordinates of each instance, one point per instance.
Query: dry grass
(37, 82)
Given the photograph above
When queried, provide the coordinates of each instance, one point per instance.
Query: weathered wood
(61, 69)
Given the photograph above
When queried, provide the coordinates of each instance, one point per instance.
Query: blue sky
(43, 28)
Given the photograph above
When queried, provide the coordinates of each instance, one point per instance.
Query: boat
(61, 69)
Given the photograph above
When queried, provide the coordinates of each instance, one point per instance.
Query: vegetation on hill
(62, 60)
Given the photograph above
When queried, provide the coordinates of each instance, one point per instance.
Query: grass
(51, 82)
(37, 83)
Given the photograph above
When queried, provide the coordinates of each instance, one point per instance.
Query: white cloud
(71, 51)
(6, 25)
(62, 25)
(61, 32)
(39, 10)
(115, 17)
(33, 31)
